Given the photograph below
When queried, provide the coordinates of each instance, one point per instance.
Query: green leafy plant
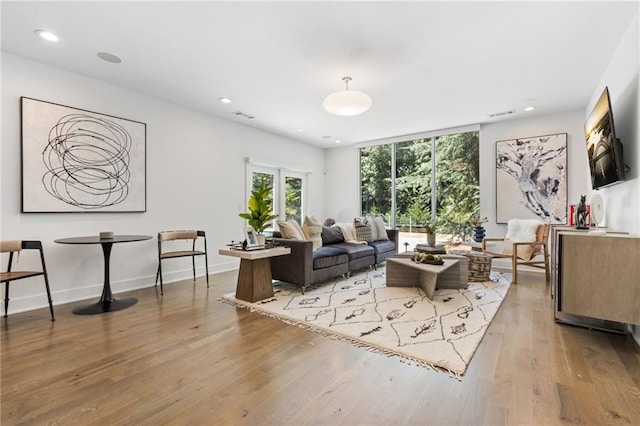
(260, 213)
(475, 221)
(429, 228)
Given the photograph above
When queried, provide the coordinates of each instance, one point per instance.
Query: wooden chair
(16, 246)
(524, 253)
(167, 236)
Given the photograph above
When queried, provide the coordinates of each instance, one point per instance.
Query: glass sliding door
(376, 181)
(457, 186)
(423, 181)
(413, 185)
(293, 196)
(255, 176)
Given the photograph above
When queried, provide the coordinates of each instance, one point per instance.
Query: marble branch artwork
(537, 168)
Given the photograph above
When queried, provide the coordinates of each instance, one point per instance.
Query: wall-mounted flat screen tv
(604, 150)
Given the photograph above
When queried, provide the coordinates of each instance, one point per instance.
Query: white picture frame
(79, 161)
(251, 237)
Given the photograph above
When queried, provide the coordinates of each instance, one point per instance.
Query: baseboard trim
(91, 292)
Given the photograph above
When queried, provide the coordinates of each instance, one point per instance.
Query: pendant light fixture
(347, 102)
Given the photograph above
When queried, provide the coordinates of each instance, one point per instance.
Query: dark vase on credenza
(478, 234)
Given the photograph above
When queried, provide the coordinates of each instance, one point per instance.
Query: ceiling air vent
(502, 114)
(242, 114)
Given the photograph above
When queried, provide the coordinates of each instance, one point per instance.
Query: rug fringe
(341, 337)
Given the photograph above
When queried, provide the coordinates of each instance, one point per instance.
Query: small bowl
(106, 235)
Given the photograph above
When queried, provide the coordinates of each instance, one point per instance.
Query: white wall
(622, 201)
(342, 183)
(195, 179)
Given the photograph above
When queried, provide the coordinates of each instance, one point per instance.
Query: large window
(423, 181)
(375, 172)
(288, 194)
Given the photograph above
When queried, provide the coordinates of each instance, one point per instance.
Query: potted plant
(260, 213)
(478, 229)
(430, 229)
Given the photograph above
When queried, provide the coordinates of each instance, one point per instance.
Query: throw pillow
(379, 228)
(291, 230)
(521, 231)
(363, 229)
(312, 229)
(331, 235)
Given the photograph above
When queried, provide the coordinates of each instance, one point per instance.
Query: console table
(254, 276)
(596, 279)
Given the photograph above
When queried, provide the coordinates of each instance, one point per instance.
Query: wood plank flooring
(187, 358)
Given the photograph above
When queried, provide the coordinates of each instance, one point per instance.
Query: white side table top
(256, 254)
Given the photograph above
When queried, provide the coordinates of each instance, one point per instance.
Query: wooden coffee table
(404, 272)
(254, 277)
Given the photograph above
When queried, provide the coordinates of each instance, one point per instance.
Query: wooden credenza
(596, 279)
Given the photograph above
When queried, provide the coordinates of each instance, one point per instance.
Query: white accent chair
(526, 241)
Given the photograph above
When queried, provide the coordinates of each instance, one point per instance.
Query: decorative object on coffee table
(431, 249)
(431, 259)
(431, 233)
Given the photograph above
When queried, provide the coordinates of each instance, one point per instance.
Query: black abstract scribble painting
(81, 161)
(87, 162)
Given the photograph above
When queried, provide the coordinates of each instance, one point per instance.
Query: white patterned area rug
(396, 321)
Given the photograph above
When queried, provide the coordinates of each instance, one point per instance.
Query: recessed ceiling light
(109, 57)
(46, 35)
(338, 141)
(530, 108)
(225, 100)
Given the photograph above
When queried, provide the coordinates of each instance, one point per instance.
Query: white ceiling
(427, 65)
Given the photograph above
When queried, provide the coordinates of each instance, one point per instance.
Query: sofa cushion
(328, 256)
(312, 229)
(331, 235)
(363, 229)
(382, 246)
(379, 228)
(355, 251)
(291, 230)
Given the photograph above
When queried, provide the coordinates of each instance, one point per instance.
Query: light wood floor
(187, 358)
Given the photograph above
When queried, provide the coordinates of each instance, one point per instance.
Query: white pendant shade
(348, 102)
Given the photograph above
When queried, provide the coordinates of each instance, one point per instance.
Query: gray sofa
(304, 266)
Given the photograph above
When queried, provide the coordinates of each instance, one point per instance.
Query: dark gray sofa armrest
(297, 267)
(393, 236)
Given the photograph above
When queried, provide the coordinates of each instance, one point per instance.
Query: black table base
(101, 307)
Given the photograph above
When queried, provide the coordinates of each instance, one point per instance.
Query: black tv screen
(604, 150)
